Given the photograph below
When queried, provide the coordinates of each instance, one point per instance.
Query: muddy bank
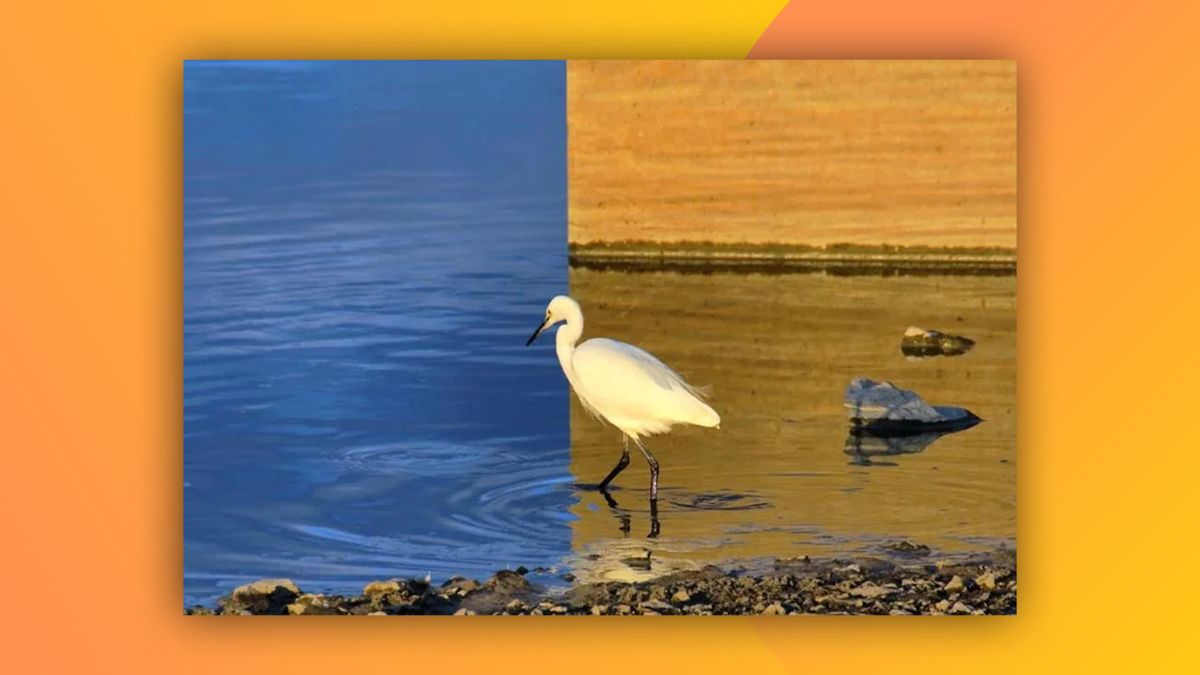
(982, 585)
(837, 259)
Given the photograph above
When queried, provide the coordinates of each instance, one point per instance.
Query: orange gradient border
(90, 336)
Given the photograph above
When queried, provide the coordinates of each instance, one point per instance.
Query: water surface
(782, 477)
(366, 246)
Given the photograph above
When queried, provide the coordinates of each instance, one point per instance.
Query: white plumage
(634, 391)
(623, 385)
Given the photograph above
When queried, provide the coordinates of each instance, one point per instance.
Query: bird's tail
(705, 416)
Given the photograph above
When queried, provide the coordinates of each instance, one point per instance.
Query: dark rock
(907, 549)
(658, 606)
(921, 342)
(506, 581)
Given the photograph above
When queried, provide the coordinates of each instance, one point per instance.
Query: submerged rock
(907, 549)
(921, 342)
(882, 409)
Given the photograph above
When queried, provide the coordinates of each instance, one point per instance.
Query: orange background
(90, 335)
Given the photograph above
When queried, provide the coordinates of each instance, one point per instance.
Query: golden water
(776, 479)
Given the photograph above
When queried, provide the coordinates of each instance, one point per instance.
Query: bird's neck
(564, 345)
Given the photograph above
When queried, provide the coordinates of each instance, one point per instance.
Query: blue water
(366, 247)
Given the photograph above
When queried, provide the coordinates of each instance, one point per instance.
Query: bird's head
(561, 308)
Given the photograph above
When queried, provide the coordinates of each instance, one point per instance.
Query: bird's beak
(537, 332)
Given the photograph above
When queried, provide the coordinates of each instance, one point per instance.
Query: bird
(625, 386)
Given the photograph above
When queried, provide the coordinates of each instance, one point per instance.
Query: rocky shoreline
(975, 586)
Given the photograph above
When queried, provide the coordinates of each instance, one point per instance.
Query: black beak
(537, 332)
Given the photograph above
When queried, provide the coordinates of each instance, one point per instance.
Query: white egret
(624, 385)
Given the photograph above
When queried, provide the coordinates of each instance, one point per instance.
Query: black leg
(653, 472)
(654, 526)
(621, 464)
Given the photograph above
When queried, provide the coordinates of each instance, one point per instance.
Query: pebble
(869, 590)
(986, 581)
(657, 605)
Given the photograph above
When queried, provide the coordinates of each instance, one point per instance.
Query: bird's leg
(654, 526)
(621, 464)
(653, 472)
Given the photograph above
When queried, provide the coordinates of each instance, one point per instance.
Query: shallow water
(782, 477)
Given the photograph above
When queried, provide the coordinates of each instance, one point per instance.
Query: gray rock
(882, 406)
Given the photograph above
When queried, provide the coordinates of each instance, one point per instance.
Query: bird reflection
(624, 518)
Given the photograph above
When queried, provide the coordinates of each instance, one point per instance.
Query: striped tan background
(813, 152)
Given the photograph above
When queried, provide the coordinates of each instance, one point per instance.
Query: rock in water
(921, 342)
(882, 408)
(265, 596)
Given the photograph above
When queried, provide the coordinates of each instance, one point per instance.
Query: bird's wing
(639, 364)
(624, 381)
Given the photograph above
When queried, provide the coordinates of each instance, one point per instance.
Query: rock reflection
(863, 446)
